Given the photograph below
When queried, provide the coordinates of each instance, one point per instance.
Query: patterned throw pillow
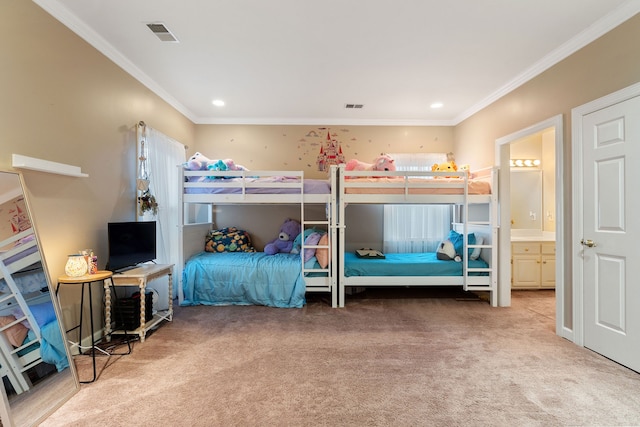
(228, 239)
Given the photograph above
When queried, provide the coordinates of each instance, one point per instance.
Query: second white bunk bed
(201, 191)
(455, 188)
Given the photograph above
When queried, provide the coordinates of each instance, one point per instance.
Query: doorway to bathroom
(531, 212)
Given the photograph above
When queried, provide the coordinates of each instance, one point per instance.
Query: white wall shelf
(31, 163)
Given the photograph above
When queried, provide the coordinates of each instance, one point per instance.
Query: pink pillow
(322, 254)
(16, 333)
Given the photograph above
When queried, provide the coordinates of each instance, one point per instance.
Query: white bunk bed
(200, 192)
(31, 307)
(456, 188)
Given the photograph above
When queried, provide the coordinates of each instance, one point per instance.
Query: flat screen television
(130, 244)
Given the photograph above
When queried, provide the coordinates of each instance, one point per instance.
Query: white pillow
(476, 251)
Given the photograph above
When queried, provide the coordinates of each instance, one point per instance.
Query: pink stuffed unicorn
(383, 162)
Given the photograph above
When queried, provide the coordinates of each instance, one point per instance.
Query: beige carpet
(421, 358)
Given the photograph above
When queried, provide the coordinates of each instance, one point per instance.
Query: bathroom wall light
(524, 163)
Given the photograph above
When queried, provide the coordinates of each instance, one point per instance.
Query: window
(164, 156)
(416, 228)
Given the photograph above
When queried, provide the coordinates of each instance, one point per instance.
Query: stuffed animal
(466, 168)
(289, 230)
(383, 162)
(444, 167)
(447, 252)
(220, 165)
(198, 162)
(449, 166)
(234, 166)
(226, 165)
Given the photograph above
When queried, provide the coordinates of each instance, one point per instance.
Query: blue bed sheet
(52, 348)
(244, 278)
(407, 264)
(51, 345)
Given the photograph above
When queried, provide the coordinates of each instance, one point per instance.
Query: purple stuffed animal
(284, 242)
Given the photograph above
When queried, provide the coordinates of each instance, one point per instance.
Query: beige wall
(608, 64)
(65, 102)
(297, 148)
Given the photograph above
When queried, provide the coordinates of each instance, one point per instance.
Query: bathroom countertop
(529, 236)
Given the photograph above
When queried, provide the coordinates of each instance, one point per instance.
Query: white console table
(139, 277)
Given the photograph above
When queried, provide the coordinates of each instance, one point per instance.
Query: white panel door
(611, 232)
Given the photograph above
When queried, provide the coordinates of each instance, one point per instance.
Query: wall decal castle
(330, 154)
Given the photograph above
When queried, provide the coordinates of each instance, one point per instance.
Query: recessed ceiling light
(437, 105)
(218, 102)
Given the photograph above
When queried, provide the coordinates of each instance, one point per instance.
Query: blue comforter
(407, 264)
(52, 348)
(51, 345)
(244, 278)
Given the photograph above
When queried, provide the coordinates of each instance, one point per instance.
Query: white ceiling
(301, 61)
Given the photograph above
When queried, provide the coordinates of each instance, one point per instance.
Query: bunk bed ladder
(491, 270)
(17, 363)
(328, 224)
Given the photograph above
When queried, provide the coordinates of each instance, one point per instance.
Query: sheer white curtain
(415, 228)
(163, 157)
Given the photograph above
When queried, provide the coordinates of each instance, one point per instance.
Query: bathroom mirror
(37, 371)
(526, 199)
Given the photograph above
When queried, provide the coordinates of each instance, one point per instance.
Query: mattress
(400, 185)
(20, 255)
(407, 264)
(270, 185)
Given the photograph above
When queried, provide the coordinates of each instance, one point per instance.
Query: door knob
(588, 243)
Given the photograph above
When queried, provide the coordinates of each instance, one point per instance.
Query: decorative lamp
(76, 266)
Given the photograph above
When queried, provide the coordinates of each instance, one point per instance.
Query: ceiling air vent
(350, 106)
(162, 32)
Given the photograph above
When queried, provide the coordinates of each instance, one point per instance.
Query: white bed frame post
(465, 232)
(495, 225)
(341, 236)
(333, 229)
